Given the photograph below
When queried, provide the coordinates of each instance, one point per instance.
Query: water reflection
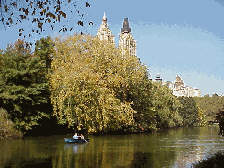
(74, 148)
(173, 148)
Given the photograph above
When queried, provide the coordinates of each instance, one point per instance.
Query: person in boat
(75, 136)
(81, 136)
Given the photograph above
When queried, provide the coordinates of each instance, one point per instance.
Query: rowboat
(75, 140)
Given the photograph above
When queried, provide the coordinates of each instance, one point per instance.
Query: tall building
(126, 41)
(104, 32)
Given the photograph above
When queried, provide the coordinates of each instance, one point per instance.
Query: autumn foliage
(90, 83)
(87, 83)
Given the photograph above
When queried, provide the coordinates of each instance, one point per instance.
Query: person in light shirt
(75, 136)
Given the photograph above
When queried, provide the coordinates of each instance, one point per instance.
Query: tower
(126, 41)
(104, 32)
(158, 79)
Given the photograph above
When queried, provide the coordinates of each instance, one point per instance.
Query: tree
(206, 95)
(210, 105)
(89, 83)
(44, 50)
(220, 119)
(166, 107)
(189, 111)
(22, 85)
(214, 95)
(202, 119)
(140, 93)
(39, 12)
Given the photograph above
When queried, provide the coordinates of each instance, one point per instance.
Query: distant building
(179, 83)
(158, 79)
(196, 93)
(179, 89)
(168, 84)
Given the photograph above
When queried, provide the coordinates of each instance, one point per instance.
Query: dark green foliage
(7, 127)
(44, 50)
(24, 89)
(140, 94)
(189, 111)
(166, 107)
(210, 105)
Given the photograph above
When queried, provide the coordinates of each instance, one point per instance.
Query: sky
(175, 37)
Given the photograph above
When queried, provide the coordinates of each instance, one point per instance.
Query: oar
(84, 139)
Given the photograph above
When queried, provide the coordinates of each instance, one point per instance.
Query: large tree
(93, 85)
(166, 107)
(23, 87)
(189, 112)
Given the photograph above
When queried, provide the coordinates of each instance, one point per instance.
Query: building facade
(126, 41)
(178, 87)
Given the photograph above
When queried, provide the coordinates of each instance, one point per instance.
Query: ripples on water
(173, 148)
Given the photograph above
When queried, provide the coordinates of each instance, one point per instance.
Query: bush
(7, 127)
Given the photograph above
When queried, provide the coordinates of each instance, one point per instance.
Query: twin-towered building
(126, 40)
(128, 44)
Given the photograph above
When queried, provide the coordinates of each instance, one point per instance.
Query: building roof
(104, 18)
(126, 28)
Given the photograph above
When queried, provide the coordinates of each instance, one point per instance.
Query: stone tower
(126, 41)
(104, 32)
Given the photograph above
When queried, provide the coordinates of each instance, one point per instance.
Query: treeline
(86, 83)
(210, 105)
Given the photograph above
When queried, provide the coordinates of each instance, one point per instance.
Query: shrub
(7, 127)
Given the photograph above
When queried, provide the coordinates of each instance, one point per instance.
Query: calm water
(173, 148)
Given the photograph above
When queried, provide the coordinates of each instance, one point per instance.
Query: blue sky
(176, 37)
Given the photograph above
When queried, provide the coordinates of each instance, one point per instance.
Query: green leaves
(166, 107)
(189, 111)
(24, 86)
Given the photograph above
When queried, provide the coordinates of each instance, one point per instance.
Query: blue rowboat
(75, 140)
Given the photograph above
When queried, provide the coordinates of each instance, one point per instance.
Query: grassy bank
(215, 161)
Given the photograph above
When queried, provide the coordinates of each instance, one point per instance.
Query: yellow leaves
(90, 82)
(44, 11)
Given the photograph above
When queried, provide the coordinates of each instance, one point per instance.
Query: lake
(174, 148)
